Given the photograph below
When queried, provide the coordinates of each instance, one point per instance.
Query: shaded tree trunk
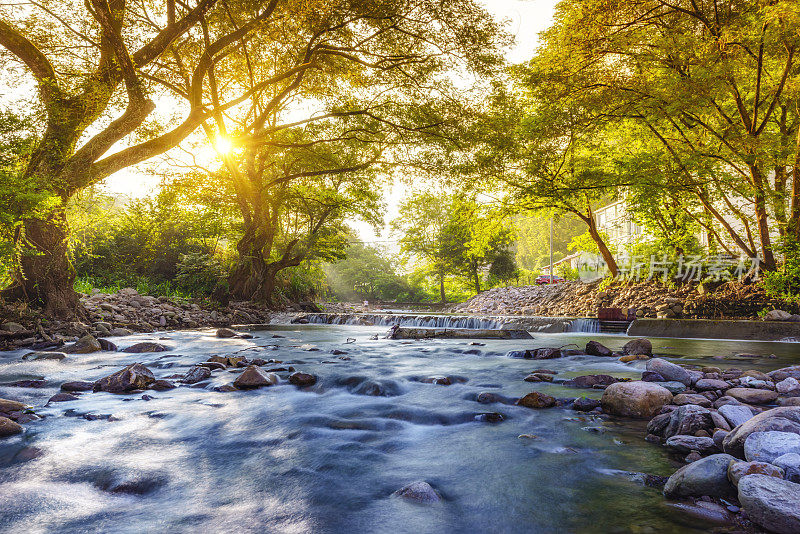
(605, 252)
(476, 277)
(46, 276)
(762, 219)
(442, 295)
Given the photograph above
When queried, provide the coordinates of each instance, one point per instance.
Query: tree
(95, 67)
(373, 79)
(367, 273)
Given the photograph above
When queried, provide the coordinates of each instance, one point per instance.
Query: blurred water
(328, 459)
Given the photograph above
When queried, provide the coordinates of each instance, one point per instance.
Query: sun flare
(223, 145)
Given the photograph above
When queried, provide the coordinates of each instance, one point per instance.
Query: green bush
(784, 283)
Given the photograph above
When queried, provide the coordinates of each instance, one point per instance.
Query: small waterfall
(587, 325)
(421, 321)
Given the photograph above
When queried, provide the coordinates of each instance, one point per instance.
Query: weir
(533, 324)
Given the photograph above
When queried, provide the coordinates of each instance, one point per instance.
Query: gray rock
(737, 470)
(673, 387)
(687, 420)
(11, 326)
(771, 503)
(790, 463)
(252, 377)
(62, 397)
(44, 356)
(669, 370)
(686, 444)
(787, 385)
(710, 384)
(120, 332)
(420, 492)
(718, 436)
(735, 415)
(635, 399)
(133, 377)
(107, 345)
(146, 346)
(225, 332)
(196, 374)
(766, 446)
(595, 348)
(691, 398)
(777, 315)
(719, 421)
(707, 476)
(84, 345)
(77, 386)
(752, 396)
(783, 419)
(638, 346)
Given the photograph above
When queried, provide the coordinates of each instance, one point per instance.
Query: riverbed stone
(735, 414)
(707, 476)
(44, 355)
(84, 345)
(162, 385)
(196, 374)
(62, 397)
(638, 346)
(77, 386)
(737, 470)
(225, 333)
(784, 373)
(635, 399)
(595, 348)
(582, 404)
(771, 503)
(118, 332)
(790, 463)
(691, 398)
(669, 370)
(107, 345)
(252, 377)
(718, 437)
(8, 406)
(752, 396)
(719, 421)
(766, 446)
(420, 492)
(687, 420)
(146, 346)
(673, 387)
(783, 419)
(591, 381)
(650, 376)
(301, 379)
(9, 427)
(686, 444)
(534, 399)
(787, 385)
(710, 384)
(134, 376)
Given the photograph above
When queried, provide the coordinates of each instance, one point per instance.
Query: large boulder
(638, 346)
(84, 345)
(133, 377)
(686, 444)
(252, 377)
(595, 348)
(752, 396)
(784, 373)
(782, 419)
(737, 470)
(707, 476)
(8, 406)
(669, 371)
(771, 502)
(687, 420)
(635, 399)
(766, 446)
(790, 463)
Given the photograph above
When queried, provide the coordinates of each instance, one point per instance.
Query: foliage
(785, 282)
(366, 273)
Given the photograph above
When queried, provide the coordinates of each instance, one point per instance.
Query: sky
(526, 18)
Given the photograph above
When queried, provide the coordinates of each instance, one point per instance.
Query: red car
(545, 279)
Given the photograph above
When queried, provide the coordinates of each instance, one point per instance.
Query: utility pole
(551, 250)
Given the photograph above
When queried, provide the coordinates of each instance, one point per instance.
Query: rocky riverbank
(119, 314)
(650, 299)
(737, 431)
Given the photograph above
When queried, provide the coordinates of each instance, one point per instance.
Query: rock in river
(196, 374)
(687, 420)
(226, 332)
(84, 345)
(135, 376)
(735, 415)
(44, 356)
(252, 377)
(301, 379)
(783, 419)
(8, 427)
(635, 399)
(534, 399)
(752, 396)
(638, 346)
(686, 444)
(669, 370)
(420, 492)
(772, 503)
(595, 348)
(737, 470)
(146, 346)
(707, 476)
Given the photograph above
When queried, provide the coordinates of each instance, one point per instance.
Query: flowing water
(327, 459)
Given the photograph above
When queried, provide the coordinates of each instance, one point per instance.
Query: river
(327, 459)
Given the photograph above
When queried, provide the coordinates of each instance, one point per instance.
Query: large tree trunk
(246, 279)
(46, 275)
